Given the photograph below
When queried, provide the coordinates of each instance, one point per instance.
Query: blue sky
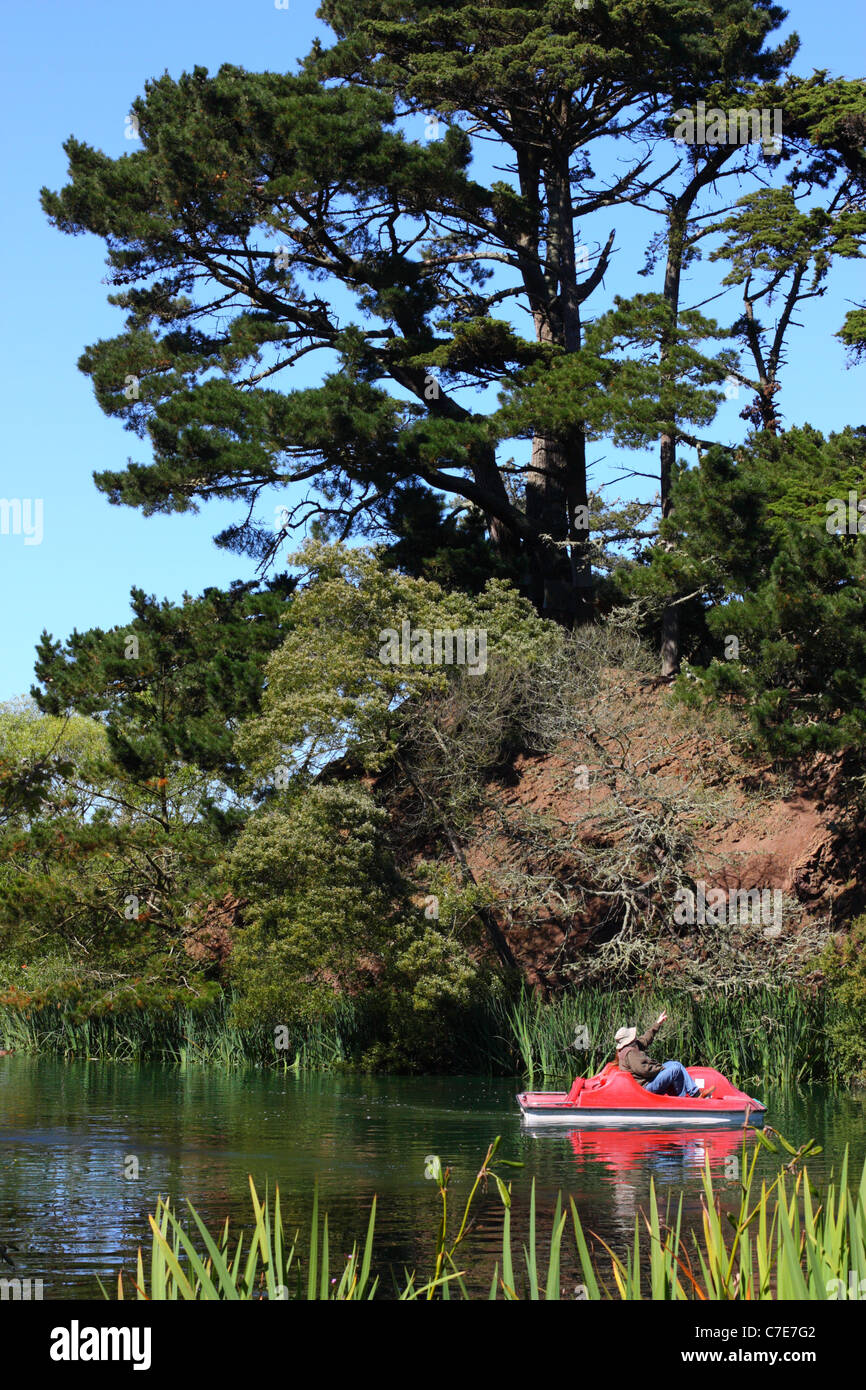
(74, 69)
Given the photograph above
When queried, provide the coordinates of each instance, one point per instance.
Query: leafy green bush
(331, 916)
(843, 962)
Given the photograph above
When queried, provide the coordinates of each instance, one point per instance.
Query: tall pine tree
(269, 217)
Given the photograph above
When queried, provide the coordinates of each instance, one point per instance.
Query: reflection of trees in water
(198, 1134)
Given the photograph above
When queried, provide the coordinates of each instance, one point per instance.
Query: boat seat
(604, 1075)
(591, 1083)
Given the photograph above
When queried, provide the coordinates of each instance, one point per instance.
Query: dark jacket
(634, 1058)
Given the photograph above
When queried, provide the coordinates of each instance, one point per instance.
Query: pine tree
(171, 685)
(405, 236)
(780, 250)
(770, 537)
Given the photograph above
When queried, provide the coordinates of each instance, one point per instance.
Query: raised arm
(646, 1038)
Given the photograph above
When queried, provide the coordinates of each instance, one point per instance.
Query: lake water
(69, 1131)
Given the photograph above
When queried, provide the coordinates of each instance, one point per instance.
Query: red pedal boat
(614, 1099)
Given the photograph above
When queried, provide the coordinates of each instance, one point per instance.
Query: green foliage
(170, 685)
(779, 1243)
(258, 203)
(754, 1036)
(752, 533)
(37, 758)
(115, 816)
(325, 902)
(785, 1242)
(827, 112)
(450, 547)
(177, 1026)
(328, 909)
(269, 216)
(100, 871)
(771, 234)
(618, 385)
(781, 244)
(843, 963)
(853, 331)
(177, 1269)
(329, 916)
(329, 690)
(442, 58)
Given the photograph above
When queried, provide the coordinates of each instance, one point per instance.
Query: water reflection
(677, 1153)
(68, 1129)
(611, 1171)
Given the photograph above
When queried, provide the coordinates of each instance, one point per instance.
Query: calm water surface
(70, 1129)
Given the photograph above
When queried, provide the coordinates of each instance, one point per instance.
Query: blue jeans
(673, 1080)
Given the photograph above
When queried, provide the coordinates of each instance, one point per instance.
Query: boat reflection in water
(627, 1159)
(671, 1151)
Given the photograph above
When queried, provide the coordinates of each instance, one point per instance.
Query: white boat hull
(575, 1118)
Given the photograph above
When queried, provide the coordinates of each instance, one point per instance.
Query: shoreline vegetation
(785, 1241)
(444, 889)
(338, 920)
(779, 1037)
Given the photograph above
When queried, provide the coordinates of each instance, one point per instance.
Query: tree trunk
(670, 648)
(670, 644)
(555, 591)
(678, 224)
(556, 482)
(487, 475)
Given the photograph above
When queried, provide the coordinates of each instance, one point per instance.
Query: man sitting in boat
(662, 1078)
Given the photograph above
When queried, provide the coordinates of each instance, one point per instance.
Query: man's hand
(661, 1018)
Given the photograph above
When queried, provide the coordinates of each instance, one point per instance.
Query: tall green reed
(783, 1241)
(762, 1034)
(767, 1035)
(185, 1037)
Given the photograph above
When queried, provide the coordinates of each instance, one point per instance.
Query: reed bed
(785, 1241)
(775, 1036)
(183, 1037)
(771, 1036)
